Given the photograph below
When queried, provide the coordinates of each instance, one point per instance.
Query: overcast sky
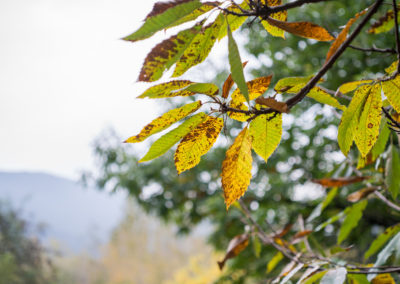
(64, 77)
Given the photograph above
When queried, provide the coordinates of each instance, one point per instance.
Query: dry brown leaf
(360, 194)
(284, 231)
(274, 104)
(302, 234)
(341, 181)
(342, 36)
(236, 245)
(303, 29)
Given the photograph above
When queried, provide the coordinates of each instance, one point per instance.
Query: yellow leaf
(164, 90)
(197, 143)
(391, 89)
(256, 88)
(385, 278)
(266, 134)
(368, 127)
(350, 118)
(303, 29)
(235, 246)
(384, 23)
(342, 36)
(234, 21)
(392, 67)
(164, 121)
(324, 97)
(236, 168)
(281, 16)
(351, 86)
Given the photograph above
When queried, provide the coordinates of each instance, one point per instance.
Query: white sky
(64, 77)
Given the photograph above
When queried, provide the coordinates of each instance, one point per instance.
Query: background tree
(281, 205)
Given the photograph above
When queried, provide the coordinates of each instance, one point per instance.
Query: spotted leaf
(281, 16)
(164, 121)
(236, 168)
(163, 15)
(391, 89)
(367, 131)
(166, 53)
(197, 143)
(199, 48)
(165, 142)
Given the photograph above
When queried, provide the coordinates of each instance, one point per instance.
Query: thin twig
(387, 201)
(374, 49)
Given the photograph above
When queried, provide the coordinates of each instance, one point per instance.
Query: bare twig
(387, 201)
(374, 49)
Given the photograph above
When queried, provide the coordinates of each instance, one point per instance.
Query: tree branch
(374, 49)
(303, 92)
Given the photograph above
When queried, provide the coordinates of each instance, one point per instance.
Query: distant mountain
(74, 216)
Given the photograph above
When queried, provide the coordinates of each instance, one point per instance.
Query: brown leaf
(342, 36)
(274, 104)
(236, 245)
(284, 231)
(341, 181)
(229, 83)
(360, 194)
(302, 234)
(303, 29)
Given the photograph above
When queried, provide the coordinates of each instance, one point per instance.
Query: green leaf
(358, 279)
(321, 206)
(392, 246)
(353, 215)
(381, 240)
(166, 53)
(368, 127)
(331, 220)
(291, 84)
(164, 90)
(165, 142)
(199, 48)
(164, 121)
(266, 132)
(351, 86)
(274, 261)
(334, 276)
(324, 97)
(384, 23)
(314, 278)
(203, 88)
(236, 66)
(392, 177)
(205, 7)
(162, 16)
(350, 119)
(256, 246)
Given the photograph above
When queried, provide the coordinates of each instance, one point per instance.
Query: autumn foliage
(365, 108)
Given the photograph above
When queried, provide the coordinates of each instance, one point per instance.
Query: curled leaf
(270, 102)
(360, 194)
(235, 246)
(341, 181)
(342, 36)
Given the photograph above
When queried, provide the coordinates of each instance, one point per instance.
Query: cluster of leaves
(362, 121)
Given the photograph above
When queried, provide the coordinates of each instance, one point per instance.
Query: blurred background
(76, 207)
